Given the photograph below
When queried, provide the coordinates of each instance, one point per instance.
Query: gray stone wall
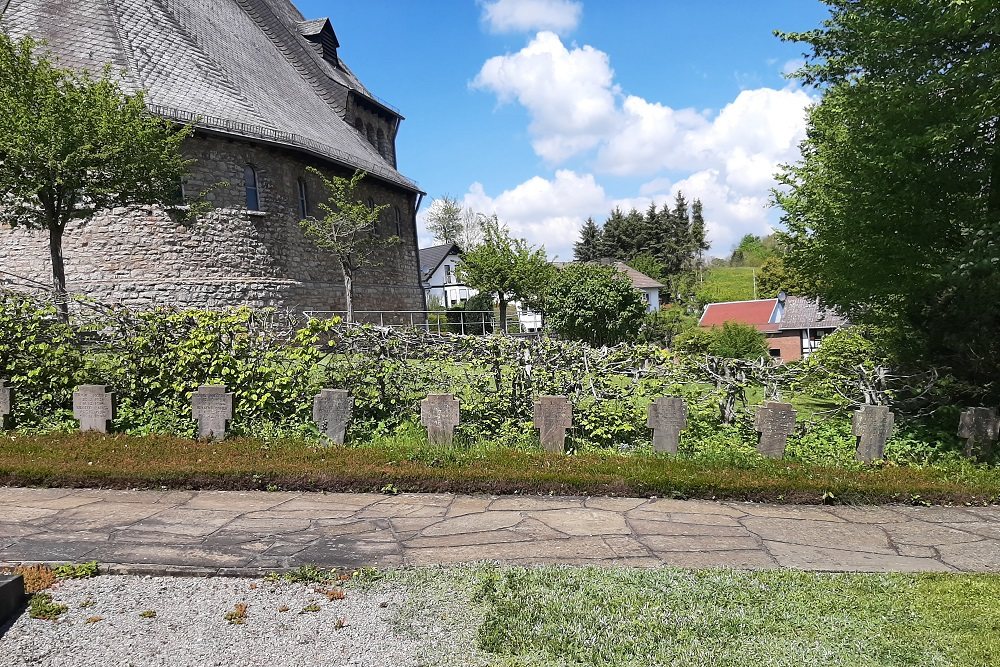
(145, 256)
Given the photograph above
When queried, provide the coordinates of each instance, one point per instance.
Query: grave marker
(212, 407)
(667, 418)
(93, 406)
(775, 422)
(553, 417)
(5, 404)
(440, 414)
(872, 425)
(332, 410)
(980, 427)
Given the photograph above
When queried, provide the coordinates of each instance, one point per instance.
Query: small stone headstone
(212, 407)
(332, 411)
(440, 414)
(981, 428)
(553, 417)
(5, 404)
(872, 425)
(93, 406)
(667, 418)
(775, 422)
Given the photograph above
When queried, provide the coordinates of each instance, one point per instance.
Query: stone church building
(269, 96)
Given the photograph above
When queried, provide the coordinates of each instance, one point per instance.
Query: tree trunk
(349, 293)
(503, 313)
(58, 272)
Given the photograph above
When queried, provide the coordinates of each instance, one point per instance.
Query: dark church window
(303, 199)
(383, 147)
(398, 218)
(250, 183)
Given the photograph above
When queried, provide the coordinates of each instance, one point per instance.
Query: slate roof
(238, 67)
(431, 258)
(639, 280)
(761, 314)
(804, 313)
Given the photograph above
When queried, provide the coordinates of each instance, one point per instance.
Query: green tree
(72, 145)
(506, 268)
(450, 222)
(894, 207)
(587, 249)
(775, 276)
(735, 340)
(698, 236)
(595, 304)
(347, 230)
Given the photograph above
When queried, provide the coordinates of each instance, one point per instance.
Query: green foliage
(595, 304)
(830, 371)
(588, 248)
(44, 608)
(776, 276)
(73, 145)
(735, 340)
(167, 354)
(348, 229)
(41, 361)
(754, 250)
(726, 283)
(894, 208)
(506, 268)
(77, 570)
(694, 341)
(665, 326)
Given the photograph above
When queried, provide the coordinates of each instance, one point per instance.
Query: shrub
(41, 361)
(735, 340)
(694, 341)
(831, 372)
(594, 304)
(664, 327)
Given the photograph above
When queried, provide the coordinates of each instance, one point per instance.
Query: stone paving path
(243, 532)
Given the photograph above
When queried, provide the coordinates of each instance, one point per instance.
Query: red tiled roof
(755, 313)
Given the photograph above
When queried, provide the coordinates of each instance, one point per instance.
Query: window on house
(447, 273)
(303, 199)
(250, 183)
(398, 219)
(775, 353)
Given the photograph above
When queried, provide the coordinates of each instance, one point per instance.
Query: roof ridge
(256, 10)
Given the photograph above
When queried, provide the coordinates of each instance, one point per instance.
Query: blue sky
(549, 111)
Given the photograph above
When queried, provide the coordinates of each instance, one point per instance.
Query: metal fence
(463, 322)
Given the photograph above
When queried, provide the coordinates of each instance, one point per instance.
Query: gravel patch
(395, 622)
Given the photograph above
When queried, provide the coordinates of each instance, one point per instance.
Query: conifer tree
(588, 248)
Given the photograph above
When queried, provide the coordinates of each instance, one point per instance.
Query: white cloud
(570, 94)
(546, 212)
(559, 16)
(727, 157)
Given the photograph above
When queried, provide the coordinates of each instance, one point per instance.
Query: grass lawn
(727, 283)
(121, 461)
(560, 616)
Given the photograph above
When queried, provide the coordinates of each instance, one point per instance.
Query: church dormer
(321, 34)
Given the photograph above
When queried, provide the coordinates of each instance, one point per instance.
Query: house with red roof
(794, 325)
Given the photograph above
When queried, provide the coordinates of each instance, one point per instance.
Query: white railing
(463, 322)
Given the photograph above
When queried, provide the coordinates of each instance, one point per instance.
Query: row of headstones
(212, 408)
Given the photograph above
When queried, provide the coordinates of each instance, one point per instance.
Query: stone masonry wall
(144, 257)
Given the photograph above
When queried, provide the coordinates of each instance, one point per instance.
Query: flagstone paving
(245, 532)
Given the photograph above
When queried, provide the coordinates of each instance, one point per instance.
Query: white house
(438, 266)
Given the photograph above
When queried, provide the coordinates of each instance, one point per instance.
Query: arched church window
(303, 198)
(383, 145)
(250, 183)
